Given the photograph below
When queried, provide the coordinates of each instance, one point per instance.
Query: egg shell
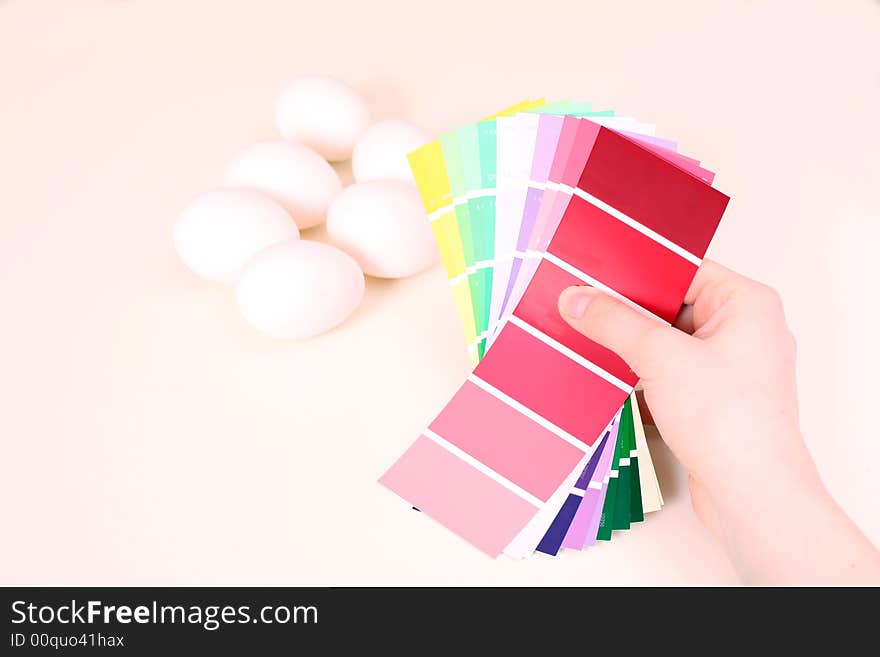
(322, 113)
(381, 151)
(219, 231)
(382, 224)
(298, 289)
(292, 174)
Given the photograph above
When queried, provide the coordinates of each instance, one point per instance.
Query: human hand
(720, 385)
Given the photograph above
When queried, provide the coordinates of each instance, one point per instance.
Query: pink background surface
(149, 436)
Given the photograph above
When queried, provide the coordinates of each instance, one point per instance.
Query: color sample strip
(585, 525)
(652, 498)
(623, 504)
(476, 193)
(636, 513)
(485, 192)
(606, 515)
(523, 355)
(432, 180)
(570, 526)
(478, 145)
(515, 149)
(434, 188)
(552, 540)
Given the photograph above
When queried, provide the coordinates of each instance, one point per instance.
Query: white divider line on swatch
(572, 355)
(586, 278)
(439, 212)
(595, 485)
(632, 223)
(559, 187)
(623, 461)
(577, 491)
(473, 269)
(529, 413)
(482, 467)
(479, 193)
(455, 280)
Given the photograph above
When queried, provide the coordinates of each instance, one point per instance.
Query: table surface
(149, 436)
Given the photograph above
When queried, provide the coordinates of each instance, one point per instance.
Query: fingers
(709, 275)
(639, 340)
(685, 320)
(715, 288)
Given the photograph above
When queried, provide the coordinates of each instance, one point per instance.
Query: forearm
(792, 532)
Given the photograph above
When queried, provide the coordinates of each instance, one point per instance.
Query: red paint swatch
(538, 307)
(551, 384)
(622, 258)
(506, 441)
(657, 194)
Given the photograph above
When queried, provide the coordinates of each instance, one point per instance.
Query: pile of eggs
(248, 231)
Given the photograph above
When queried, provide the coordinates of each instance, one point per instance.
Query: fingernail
(575, 301)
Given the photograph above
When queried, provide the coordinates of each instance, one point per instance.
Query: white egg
(292, 174)
(219, 231)
(381, 151)
(298, 289)
(322, 113)
(383, 225)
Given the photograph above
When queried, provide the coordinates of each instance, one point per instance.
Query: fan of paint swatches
(549, 130)
(512, 461)
(516, 152)
(650, 483)
(471, 183)
(636, 498)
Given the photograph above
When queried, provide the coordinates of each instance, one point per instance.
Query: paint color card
(585, 525)
(606, 516)
(578, 520)
(555, 534)
(435, 188)
(628, 427)
(652, 499)
(518, 201)
(548, 205)
(635, 228)
(470, 159)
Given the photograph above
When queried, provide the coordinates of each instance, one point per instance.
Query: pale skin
(720, 386)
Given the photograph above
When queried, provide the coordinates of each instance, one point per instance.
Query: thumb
(643, 342)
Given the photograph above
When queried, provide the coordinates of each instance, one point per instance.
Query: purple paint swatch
(585, 523)
(552, 540)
